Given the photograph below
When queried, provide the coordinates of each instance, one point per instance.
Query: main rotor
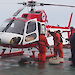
(34, 3)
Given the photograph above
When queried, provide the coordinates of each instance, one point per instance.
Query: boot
(54, 61)
(61, 59)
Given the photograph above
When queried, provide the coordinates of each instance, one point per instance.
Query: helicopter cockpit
(17, 26)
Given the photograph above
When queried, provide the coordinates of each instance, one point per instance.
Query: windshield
(31, 27)
(17, 26)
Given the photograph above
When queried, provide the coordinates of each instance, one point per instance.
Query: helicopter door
(31, 32)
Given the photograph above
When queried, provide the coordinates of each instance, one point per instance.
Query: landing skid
(10, 54)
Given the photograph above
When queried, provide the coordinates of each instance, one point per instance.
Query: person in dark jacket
(72, 44)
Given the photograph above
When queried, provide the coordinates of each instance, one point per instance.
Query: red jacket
(43, 40)
(42, 43)
(57, 39)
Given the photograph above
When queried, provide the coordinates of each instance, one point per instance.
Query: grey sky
(56, 15)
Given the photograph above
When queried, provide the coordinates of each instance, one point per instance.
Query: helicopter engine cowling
(10, 38)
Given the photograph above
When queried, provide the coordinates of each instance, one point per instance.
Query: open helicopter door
(31, 33)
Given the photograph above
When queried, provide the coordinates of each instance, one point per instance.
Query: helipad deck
(9, 66)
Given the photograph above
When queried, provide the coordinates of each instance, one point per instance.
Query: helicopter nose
(10, 38)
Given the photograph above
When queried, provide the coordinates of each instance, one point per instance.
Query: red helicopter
(23, 32)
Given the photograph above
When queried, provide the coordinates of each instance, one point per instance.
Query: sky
(56, 15)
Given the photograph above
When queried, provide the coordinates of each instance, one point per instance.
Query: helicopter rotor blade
(11, 21)
(18, 11)
(42, 4)
(24, 3)
(8, 25)
(34, 3)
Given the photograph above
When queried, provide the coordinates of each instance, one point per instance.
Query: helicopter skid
(10, 54)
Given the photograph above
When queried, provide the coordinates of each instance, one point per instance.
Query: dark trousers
(73, 55)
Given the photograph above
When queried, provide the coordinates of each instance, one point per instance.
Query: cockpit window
(17, 27)
(13, 26)
(31, 27)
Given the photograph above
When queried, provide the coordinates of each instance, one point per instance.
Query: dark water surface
(9, 66)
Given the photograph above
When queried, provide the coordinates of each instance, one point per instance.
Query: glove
(58, 44)
(48, 47)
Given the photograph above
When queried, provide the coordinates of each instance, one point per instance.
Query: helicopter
(24, 31)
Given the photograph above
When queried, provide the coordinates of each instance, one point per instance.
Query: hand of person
(48, 47)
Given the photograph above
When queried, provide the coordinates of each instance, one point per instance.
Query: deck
(10, 66)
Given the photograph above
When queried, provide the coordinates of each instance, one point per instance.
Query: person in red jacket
(42, 44)
(58, 47)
